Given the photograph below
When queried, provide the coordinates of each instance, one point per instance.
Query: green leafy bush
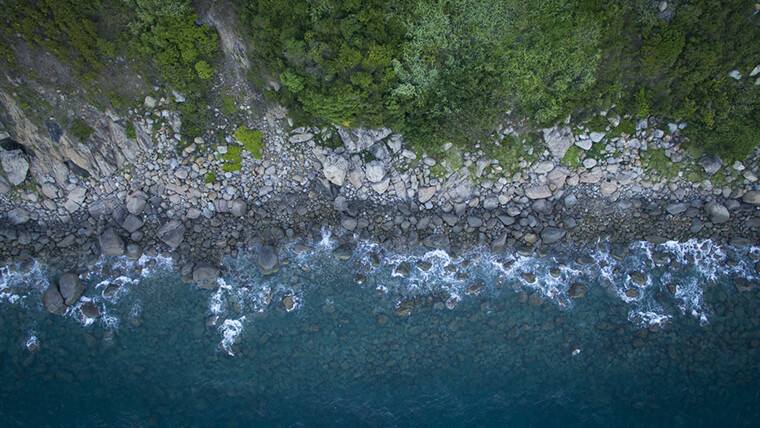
(252, 140)
(80, 130)
(130, 131)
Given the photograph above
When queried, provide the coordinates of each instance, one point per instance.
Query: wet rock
(424, 266)
(90, 310)
(742, 284)
(404, 309)
(436, 241)
(528, 277)
(349, 223)
(110, 243)
(301, 248)
(403, 269)
(577, 291)
(71, 288)
(675, 209)
(717, 213)
(268, 261)
(335, 169)
(740, 242)
(360, 278)
(205, 276)
(638, 278)
(289, 302)
(585, 260)
(382, 320)
(15, 166)
(52, 301)
(551, 234)
(632, 293)
(342, 253)
(474, 289)
(18, 216)
(111, 291)
(171, 233)
(134, 252)
(498, 244)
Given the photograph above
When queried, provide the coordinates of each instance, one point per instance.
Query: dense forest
(441, 70)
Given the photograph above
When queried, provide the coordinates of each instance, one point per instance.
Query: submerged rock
(205, 276)
(402, 269)
(404, 309)
(577, 291)
(268, 262)
(742, 284)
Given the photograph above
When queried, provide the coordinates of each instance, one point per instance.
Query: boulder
(498, 244)
(71, 288)
(538, 192)
(752, 197)
(375, 171)
(238, 208)
(268, 262)
(436, 241)
(90, 310)
(558, 140)
(717, 213)
(18, 216)
(596, 136)
(52, 301)
(711, 164)
(335, 169)
(15, 166)
(205, 276)
(133, 252)
(131, 223)
(136, 202)
(110, 243)
(551, 234)
(584, 144)
(424, 194)
(171, 233)
(577, 291)
(403, 269)
(675, 209)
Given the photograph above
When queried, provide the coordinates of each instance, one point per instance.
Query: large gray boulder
(717, 213)
(551, 234)
(18, 216)
(335, 169)
(238, 208)
(268, 261)
(205, 276)
(71, 288)
(375, 171)
(15, 166)
(751, 197)
(52, 301)
(136, 202)
(558, 140)
(538, 192)
(437, 240)
(171, 233)
(711, 164)
(111, 243)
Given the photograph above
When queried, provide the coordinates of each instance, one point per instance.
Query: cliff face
(54, 154)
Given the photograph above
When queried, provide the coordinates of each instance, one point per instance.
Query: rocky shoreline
(373, 187)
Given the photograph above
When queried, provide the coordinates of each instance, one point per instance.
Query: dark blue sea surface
(663, 336)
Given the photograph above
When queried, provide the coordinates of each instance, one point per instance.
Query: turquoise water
(509, 352)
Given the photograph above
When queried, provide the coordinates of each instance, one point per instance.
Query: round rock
(268, 261)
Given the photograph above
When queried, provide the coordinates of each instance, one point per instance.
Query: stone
(404, 309)
(735, 74)
(133, 252)
(589, 163)
(544, 167)
(711, 164)
(755, 71)
(15, 166)
(205, 275)
(597, 136)
(474, 222)
(717, 213)
(18, 216)
(592, 177)
(335, 169)
(238, 208)
(71, 288)
(424, 194)
(268, 262)
(498, 244)
(150, 102)
(349, 223)
(90, 310)
(751, 197)
(542, 206)
(436, 241)
(551, 234)
(538, 192)
(342, 253)
(289, 302)
(171, 233)
(638, 278)
(675, 209)
(742, 284)
(52, 301)
(558, 140)
(110, 243)
(608, 187)
(403, 269)
(131, 223)
(491, 203)
(375, 171)
(584, 144)
(577, 291)
(558, 176)
(136, 202)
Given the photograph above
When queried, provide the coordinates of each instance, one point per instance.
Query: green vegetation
(80, 130)
(233, 161)
(572, 157)
(251, 140)
(448, 70)
(209, 178)
(228, 105)
(130, 131)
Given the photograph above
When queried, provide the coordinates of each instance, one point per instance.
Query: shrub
(130, 131)
(252, 140)
(80, 130)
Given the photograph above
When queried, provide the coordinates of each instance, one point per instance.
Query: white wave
(230, 329)
(648, 318)
(32, 343)
(691, 300)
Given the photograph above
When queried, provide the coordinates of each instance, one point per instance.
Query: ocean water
(474, 340)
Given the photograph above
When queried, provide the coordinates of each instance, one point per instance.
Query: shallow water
(515, 352)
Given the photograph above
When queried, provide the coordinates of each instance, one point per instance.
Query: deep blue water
(165, 353)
